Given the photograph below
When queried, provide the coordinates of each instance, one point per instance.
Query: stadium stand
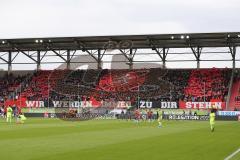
(209, 84)
(9, 85)
(153, 84)
(235, 92)
(41, 83)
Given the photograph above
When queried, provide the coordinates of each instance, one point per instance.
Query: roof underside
(122, 42)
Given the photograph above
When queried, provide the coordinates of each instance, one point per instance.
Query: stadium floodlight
(49, 40)
(172, 37)
(187, 37)
(3, 42)
(41, 41)
(36, 41)
(228, 35)
(239, 36)
(182, 36)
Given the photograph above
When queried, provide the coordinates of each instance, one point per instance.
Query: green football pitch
(54, 139)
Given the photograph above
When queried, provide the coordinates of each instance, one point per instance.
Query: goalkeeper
(9, 114)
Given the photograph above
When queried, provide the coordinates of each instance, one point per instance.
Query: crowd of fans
(76, 85)
(10, 86)
(41, 83)
(154, 84)
(208, 85)
(235, 96)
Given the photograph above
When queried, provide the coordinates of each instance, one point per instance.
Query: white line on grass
(232, 155)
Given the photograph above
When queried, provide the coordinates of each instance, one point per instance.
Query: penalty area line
(232, 155)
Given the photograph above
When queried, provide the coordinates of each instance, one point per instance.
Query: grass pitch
(53, 139)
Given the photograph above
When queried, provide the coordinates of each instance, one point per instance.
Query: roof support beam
(197, 53)
(9, 62)
(99, 59)
(92, 55)
(104, 51)
(27, 55)
(158, 51)
(81, 46)
(3, 59)
(43, 55)
(233, 53)
(125, 53)
(73, 54)
(129, 54)
(162, 53)
(131, 59)
(15, 56)
(38, 60)
(165, 52)
(68, 59)
(59, 55)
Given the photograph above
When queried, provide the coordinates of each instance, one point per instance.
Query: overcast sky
(50, 18)
(56, 18)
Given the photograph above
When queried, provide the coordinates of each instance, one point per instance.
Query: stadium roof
(121, 42)
(69, 50)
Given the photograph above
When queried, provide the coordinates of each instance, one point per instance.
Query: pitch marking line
(232, 155)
